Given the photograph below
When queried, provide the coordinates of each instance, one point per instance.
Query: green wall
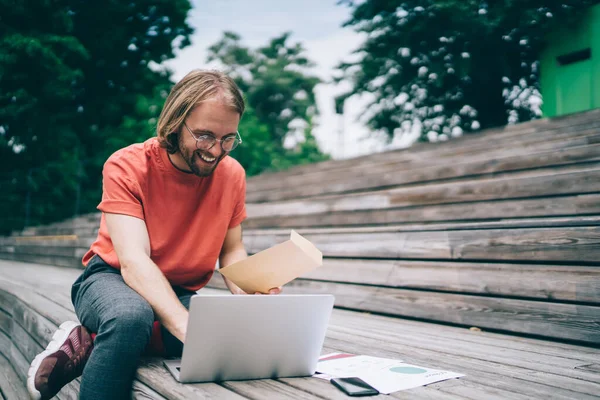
(576, 86)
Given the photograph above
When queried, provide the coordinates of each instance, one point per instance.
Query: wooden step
(391, 175)
(567, 180)
(488, 141)
(575, 245)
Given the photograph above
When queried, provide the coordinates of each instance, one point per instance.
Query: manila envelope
(275, 266)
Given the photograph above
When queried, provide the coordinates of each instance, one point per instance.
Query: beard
(193, 159)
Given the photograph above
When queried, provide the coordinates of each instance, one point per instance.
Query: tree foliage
(454, 65)
(75, 85)
(279, 92)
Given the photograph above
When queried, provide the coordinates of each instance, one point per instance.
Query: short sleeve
(239, 211)
(121, 192)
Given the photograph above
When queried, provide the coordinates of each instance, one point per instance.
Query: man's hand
(276, 290)
(233, 251)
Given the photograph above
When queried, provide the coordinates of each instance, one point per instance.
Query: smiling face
(212, 117)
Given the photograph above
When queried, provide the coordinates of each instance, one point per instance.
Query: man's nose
(216, 150)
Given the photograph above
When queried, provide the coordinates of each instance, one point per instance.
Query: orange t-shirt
(187, 217)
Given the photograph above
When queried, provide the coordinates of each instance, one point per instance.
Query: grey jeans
(123, 321)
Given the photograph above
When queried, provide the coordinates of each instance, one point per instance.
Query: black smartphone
(354, 386)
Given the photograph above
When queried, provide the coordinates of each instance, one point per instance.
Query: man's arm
(233, 251)
(130, 239)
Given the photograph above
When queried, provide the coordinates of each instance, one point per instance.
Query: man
(171, 207)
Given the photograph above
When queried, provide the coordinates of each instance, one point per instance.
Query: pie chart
(408, 370)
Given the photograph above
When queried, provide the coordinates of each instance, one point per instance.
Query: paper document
(385, 375)
(275, 266)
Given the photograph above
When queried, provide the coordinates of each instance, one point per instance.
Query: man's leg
(123, 320)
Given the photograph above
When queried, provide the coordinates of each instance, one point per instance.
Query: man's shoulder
(137, 152)
(133, 159)
(233, 168)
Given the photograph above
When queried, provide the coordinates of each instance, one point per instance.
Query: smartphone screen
(354, 386)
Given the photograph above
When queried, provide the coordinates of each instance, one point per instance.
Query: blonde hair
(196, 87)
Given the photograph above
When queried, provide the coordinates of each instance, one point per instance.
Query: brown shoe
(61, 362)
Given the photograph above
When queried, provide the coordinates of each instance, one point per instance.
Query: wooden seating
(34, 300)
(497, 231)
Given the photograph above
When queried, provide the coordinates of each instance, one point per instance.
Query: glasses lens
(230, 143)
(206, 142)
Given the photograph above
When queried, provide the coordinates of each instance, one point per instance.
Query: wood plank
(141, 391)
(510, 223)
(443, 155)
(447, 334)
(475, 365)
(11, 385)
(569, 205)
(27, 345)
(520, 381)
(551, 282)
(466, 389)
(267, 388)
(69, 262)
(30, 352)
(40, 328)
(80, 242)
(44, 249)
(450, 336)
(263, 387)
(16, 359)
(551, 320)
(565, 366)
(576, 180)
(24, 346)
(25, 315)
(569, 245)
(326, 390)
(487, 139)
(441, 331)
(391, 174)
(554, 320)
(153, 374)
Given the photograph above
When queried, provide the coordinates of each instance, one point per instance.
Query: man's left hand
(276, 290)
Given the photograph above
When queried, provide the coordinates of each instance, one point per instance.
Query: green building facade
(570, 67)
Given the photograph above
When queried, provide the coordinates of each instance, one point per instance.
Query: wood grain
(520, 367)
(141, 391)
(483, 141)
(551, 320)
(391, 174)
(550, 282)
(11, 386)
(568, 205)
(569, 245)
(575, 180)
(520, 381)
(391, 161)
(154, 374)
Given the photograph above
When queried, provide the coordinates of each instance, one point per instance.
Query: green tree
(76, 84)
(279, 90)
(454, 65)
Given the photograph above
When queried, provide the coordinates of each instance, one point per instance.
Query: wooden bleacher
(497, 232)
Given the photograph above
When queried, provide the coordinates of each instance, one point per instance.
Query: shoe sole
(58, 339)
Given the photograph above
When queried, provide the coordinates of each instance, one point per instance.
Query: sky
(314, 23)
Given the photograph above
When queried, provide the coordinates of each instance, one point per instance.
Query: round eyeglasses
(206, 141)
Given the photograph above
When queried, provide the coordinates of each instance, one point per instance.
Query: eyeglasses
(206, 141)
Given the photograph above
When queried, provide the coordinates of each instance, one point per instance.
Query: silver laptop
(252, 337)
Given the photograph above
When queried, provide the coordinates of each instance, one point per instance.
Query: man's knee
(133, 320)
